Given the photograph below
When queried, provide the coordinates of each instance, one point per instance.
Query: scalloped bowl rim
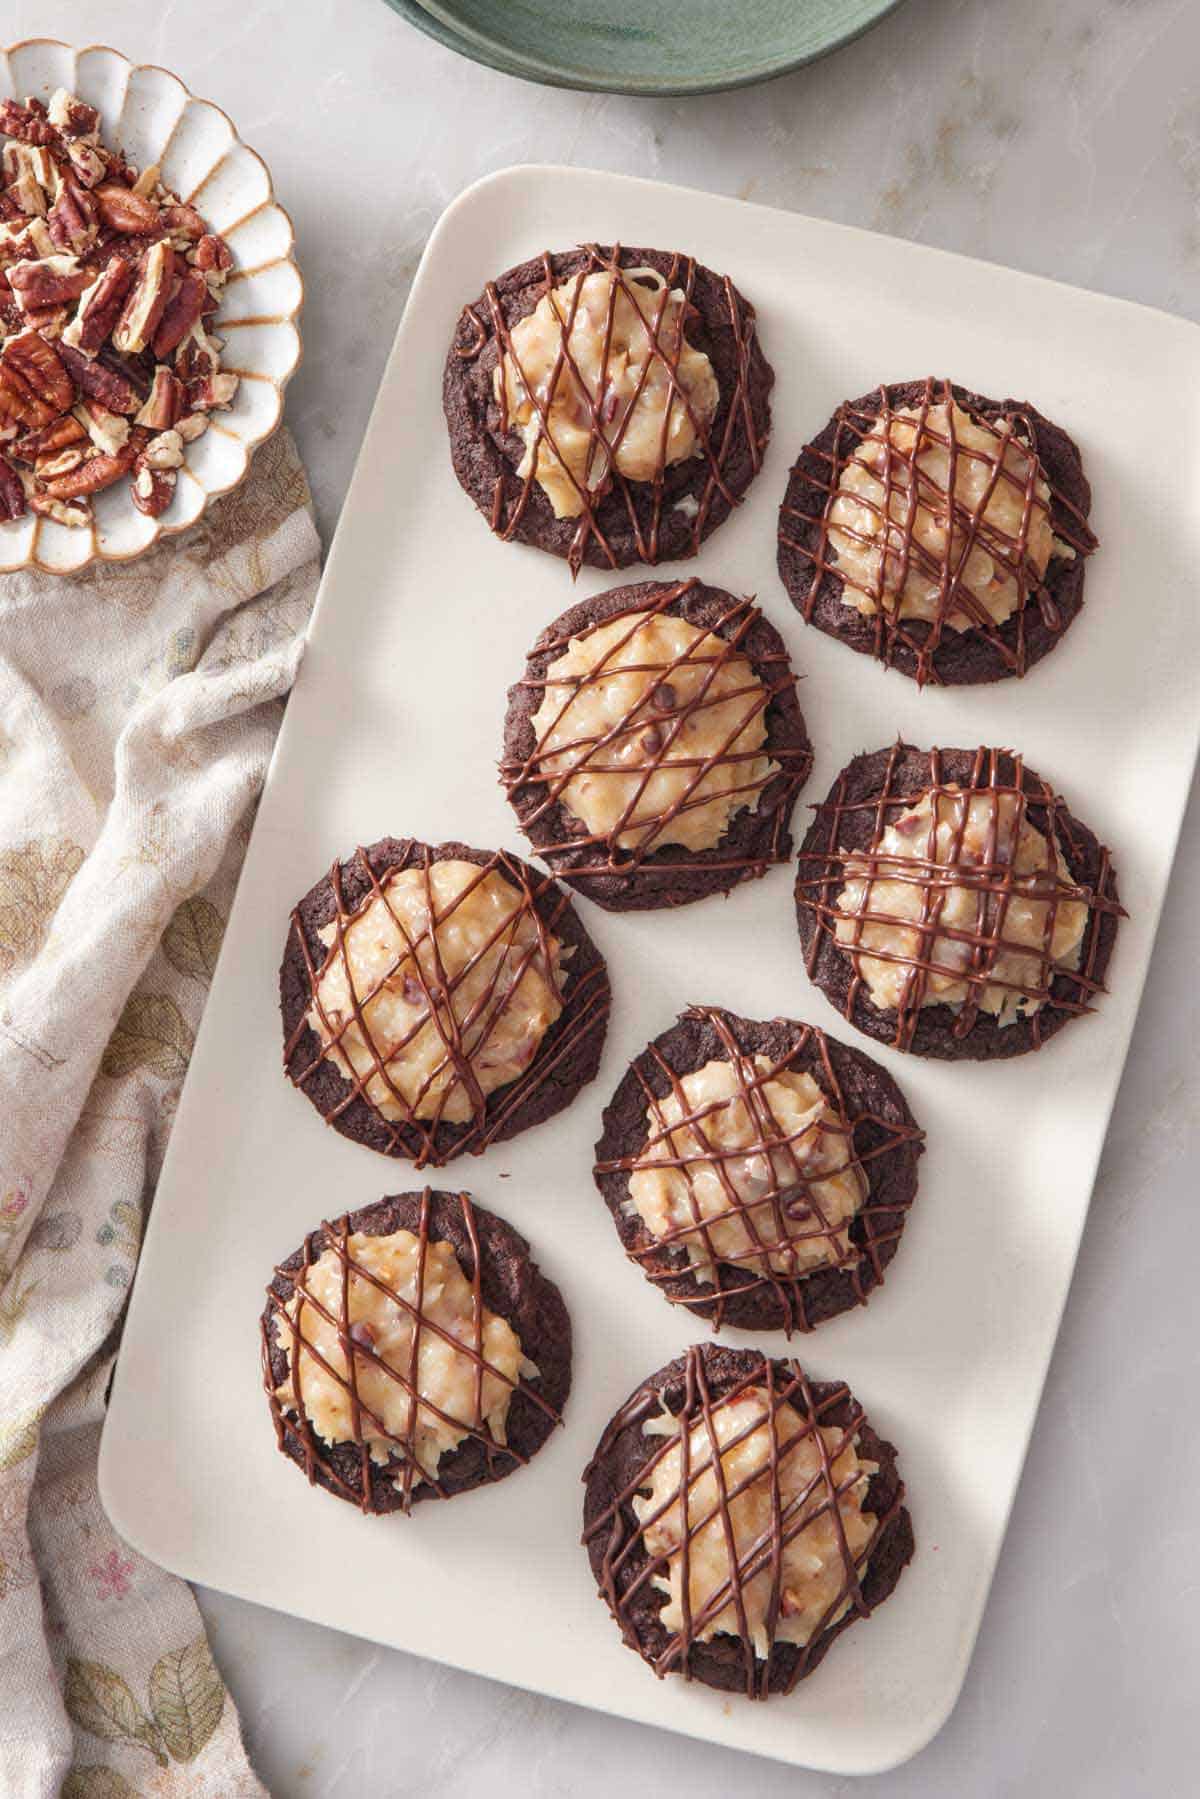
(253, 440)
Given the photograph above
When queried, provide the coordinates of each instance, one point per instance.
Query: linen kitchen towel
(138, 706)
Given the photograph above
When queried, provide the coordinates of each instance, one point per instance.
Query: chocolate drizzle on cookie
(875, 1136)
(1020, 449)
(537, 778)
(620, 519)
(564, 1058)
(844, 845)
(693, 1391)
(350, 1469)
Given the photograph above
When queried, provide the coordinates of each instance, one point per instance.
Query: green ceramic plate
(644, 46)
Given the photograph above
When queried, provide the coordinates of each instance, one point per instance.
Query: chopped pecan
(73, 219)
(163, 403)
(212, 252)
(132, 248)
(88, 163)
(24, 240)
(146, 183)
(49, 467)
(100, 306)
(182, 310)
(152, 488)
(108, 385)
(41, 367)
(73, 116)
(51, 282)
(109, 431)
(183, 221)
(27, 123)
(191, 426)
(212, 393)
(146, 300)
(58, 435)
(63, 512)
(164, 451)
(18, 402)
(92, 476)
(12, 493)
(29, 176)
(138, 370)
(11, 317)
(198, 355)
(51, 321)
(123, 210)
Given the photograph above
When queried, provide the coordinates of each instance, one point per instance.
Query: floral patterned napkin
(138, 707)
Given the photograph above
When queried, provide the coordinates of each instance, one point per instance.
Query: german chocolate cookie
(950, 904)
(606, 404)
(655, 746)
(425, 1040)
(867, 554)
(758, 1173)
(793, 1520)
(423, 1297)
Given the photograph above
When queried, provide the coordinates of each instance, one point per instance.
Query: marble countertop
(1064, 140)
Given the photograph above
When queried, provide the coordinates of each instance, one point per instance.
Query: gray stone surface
(1063, 139)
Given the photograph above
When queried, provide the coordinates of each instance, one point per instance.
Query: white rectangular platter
(423, 621)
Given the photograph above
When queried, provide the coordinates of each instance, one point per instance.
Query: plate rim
(436, 22)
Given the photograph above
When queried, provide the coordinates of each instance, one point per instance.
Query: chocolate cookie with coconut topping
(606, 404)
(950, 904)
(413, 1350)
(739, 1516)
(759, 1174)
(437, 998)
(654, 748)
(940, 531)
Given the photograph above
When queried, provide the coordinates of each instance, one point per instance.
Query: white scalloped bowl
(149, 113)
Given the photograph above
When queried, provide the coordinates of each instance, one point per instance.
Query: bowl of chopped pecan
(148, 306)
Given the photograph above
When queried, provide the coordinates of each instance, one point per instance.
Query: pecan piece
(63, 512)
(190, 427)
(108, 385)
(87, 162)
(12, 493)
(51, 282)
(28, 123)
(212, 252)
(19, 405)
(29, 175)
(11, 318)
(109, 431)
(164, 402)
(146, 301)
(182, 310)
(41, 366)
(100, 306)
(152, 489)
(73, 116)
(73, 219)
(58, 435)
(212, 393)
(51, 321)
(92, 476)
(183, 221)
(111, 243)
(124, 211)
(48, 468)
